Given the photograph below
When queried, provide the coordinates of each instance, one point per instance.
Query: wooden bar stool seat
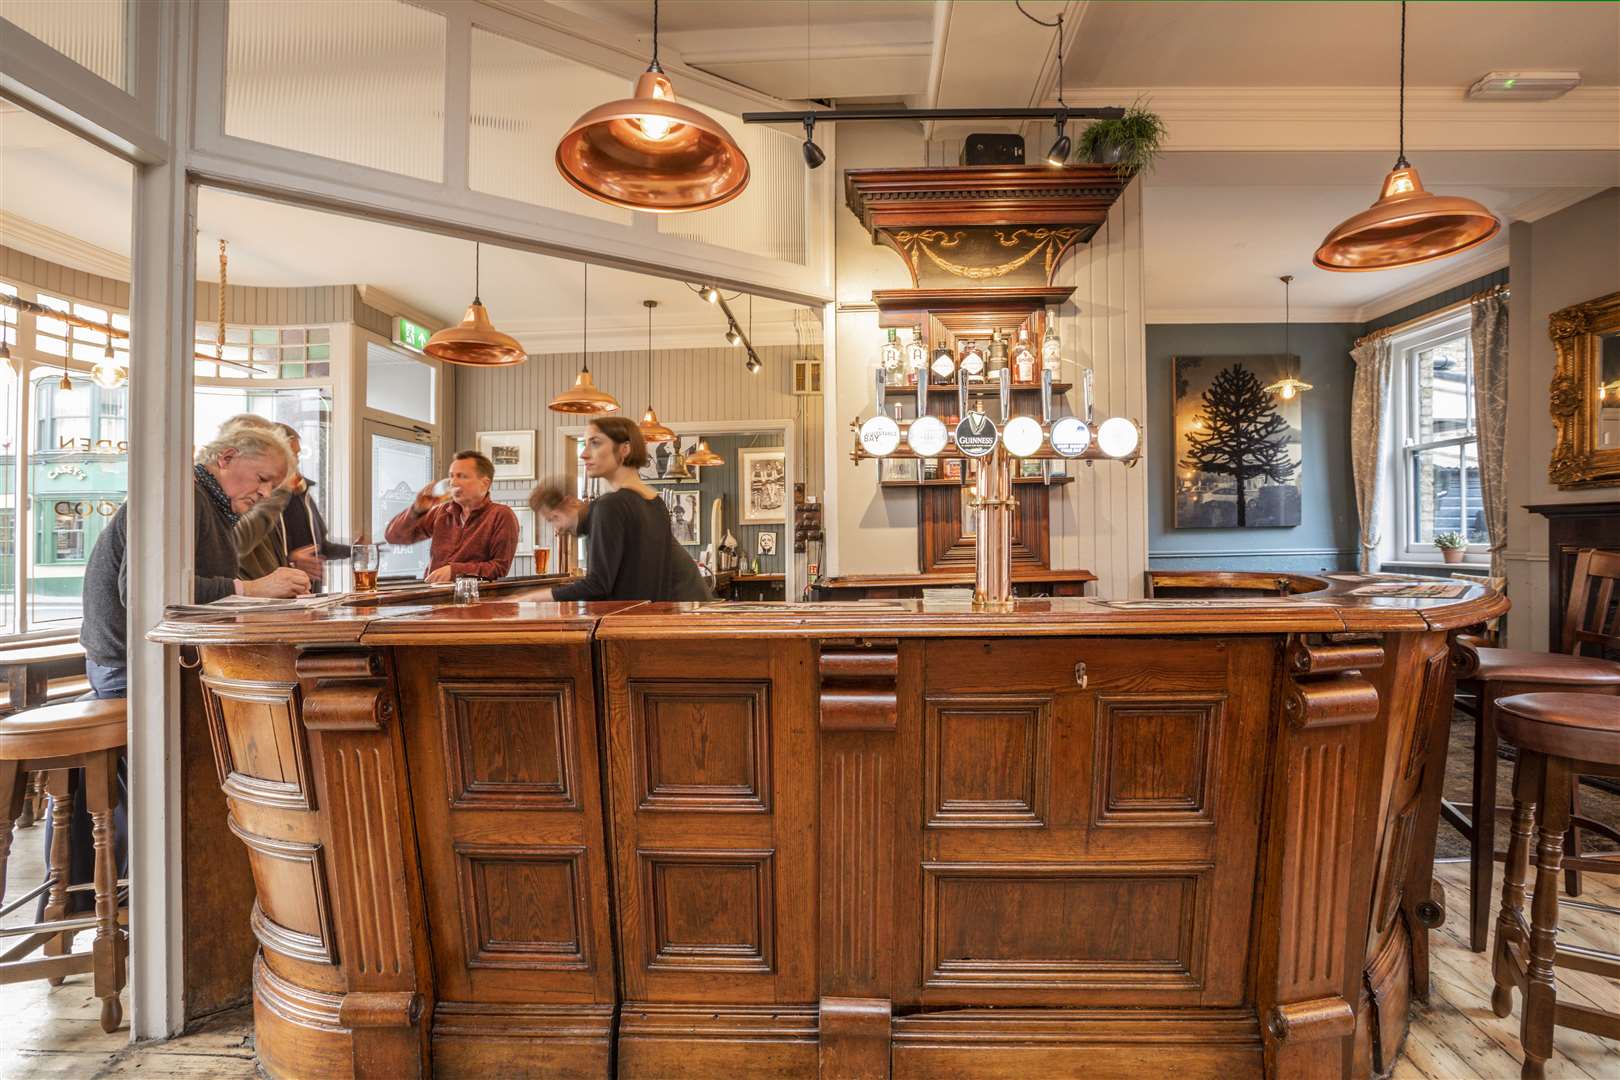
(86, 735)
(1559, 736)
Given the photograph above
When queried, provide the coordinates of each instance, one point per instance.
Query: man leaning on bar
(472, 535)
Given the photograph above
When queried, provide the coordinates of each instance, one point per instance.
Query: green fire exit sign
(410, 334)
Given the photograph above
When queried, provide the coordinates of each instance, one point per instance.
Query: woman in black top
(632, 553)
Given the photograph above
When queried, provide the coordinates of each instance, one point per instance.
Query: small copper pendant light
(1289, 386)
(702, 457)
(649, 152)
(583, 397)
(651, 429)
(475, 342)
(1407, 225)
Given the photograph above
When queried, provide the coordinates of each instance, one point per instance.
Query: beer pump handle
(1085, 380)
(922, 392)
(1046, 395)
(1005, 388)
(882, 386)
(961, 392)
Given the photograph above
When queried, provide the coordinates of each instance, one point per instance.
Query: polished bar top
(510, 612)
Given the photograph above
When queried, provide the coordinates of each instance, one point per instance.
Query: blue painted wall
(1325, 538)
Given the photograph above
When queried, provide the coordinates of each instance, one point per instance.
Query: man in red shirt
(472, 534)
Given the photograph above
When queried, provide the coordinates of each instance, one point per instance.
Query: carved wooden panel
(509, 745)
(292, 914)
(259, 747)
(1320, 817)
(366, 857)
(523, 906)
(1431, 711)
(858, 839)
(1060, 925)
(1395, 866)
(1155, 760)
(702, 747)
(709, 910)
(988, 760)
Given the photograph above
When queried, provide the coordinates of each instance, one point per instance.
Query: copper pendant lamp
(583, 398)
(1407, 225)
(1289, 386)
(702, 457)
(475, 342)
(651, 430)
(649, 152)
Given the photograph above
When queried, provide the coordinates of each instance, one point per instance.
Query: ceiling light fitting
(1289, 386)
(1406, 225)
(702, 457)
(584, 398)
(651, 430)
(475, 342)
(814, 156)
(1524, 85)
(649, 152)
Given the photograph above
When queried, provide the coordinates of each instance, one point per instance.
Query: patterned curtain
(1489, 336)
(1369, 401)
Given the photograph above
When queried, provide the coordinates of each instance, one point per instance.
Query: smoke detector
(1524, 85)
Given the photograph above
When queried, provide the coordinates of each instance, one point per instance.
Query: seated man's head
(555, 503)
(247, 462)
(471, 475)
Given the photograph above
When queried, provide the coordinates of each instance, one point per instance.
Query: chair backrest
(1592, 620)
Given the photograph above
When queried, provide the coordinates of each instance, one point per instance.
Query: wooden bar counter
(1069, 838)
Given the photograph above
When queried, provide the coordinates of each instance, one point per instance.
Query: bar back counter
(1067, 837)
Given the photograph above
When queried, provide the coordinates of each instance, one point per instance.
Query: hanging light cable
(651, 429)
(1291, 385)
(475, 342)
(649, 152)
(1058, 155)
(584, 397)
(1406, 225)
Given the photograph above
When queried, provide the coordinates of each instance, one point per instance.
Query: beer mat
(1407, 590)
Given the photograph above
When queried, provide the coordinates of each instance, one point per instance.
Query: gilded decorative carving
(1573, 398)
(973, 253)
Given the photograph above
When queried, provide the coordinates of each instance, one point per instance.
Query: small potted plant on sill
(1453, 548)
(1132, 142)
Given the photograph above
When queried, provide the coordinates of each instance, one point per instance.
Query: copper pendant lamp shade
(475, 342)
(1407, 225)
(703, 456)
(584, 398)
(651, 430)
(649, 152)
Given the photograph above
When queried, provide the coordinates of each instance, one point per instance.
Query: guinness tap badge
(976, 435)
(880, 436)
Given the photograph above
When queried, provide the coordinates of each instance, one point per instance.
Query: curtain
(1489, 336)
(1369, 400)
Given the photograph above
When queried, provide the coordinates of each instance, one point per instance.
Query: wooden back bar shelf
(849, 839)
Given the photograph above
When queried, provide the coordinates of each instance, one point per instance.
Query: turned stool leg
(30, 807)
(1541, 989)
(13, 787)
(1572, 840)
(1509, 920)
(100, 780)
(61, 843)
(1482, 853)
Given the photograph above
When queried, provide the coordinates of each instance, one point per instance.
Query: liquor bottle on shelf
(944, 365)
(973, 362)
(1051, 347)
(889, 360)
(916, 360)
(998, 357)
(1023, 361)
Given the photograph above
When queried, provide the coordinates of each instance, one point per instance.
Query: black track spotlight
(733, 335)
(814, 156)
(1058, 156)
(710, 293)
(753, 364)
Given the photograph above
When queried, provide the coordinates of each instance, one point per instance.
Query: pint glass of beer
(366, 559)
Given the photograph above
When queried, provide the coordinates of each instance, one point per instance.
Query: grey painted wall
(1325, 538)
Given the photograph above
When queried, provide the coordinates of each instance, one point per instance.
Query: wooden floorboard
(53, 1031)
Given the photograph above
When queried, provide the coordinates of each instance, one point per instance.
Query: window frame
(1405, 348)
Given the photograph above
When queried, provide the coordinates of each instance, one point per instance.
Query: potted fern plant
(1132, 142)
(1453, 548)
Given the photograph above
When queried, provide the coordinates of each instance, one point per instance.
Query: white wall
(1566, 258)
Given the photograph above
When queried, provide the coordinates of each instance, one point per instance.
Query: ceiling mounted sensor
(475, 342)
(583, 397)
(1407, 225)
(651, 430)
(649, 152)
(1524, 85)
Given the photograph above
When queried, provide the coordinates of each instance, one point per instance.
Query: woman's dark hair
(624, 432)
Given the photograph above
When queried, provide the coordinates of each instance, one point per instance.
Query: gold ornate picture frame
(1576, 398)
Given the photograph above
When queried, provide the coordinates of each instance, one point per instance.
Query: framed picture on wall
(1238, 449)
(762, 479)
(526, 533)
(685, 508)
(512, 453)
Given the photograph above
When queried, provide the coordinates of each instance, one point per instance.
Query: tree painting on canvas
(1238, 447)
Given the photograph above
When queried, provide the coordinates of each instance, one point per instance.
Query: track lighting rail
(825, 116)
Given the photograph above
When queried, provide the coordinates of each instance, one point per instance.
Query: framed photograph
(903, 469)
(526, 529)
(685, 518)
(512, 453)
(764, 495)
(767, 542)
(1238, 450)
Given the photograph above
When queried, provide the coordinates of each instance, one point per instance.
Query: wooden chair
(52, 739)
(1591, 630)
(1559, 736)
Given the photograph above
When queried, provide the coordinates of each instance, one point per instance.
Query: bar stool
(84, 735)
(1559, 736)
(1589, 623)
